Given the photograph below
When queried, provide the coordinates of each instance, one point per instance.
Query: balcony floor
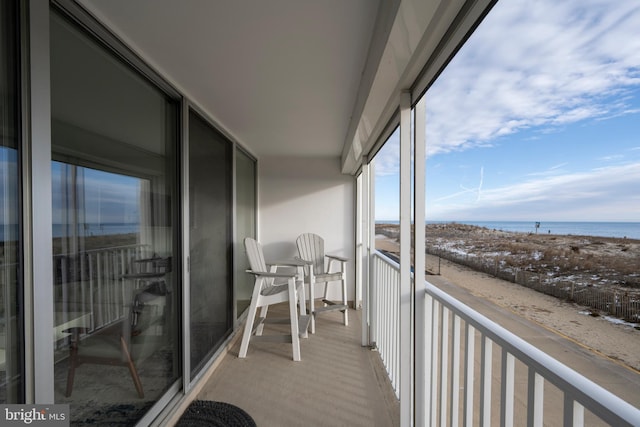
(337, 383)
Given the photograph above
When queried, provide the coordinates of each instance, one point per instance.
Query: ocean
(630, 230)
(60, 230)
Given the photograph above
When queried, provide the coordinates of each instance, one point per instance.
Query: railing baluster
(444, 358)
(578, 414)
(535, 399)
(485, 381)
(428, 351)
(92, 296)
(434, 362)
(83, 279)
(455, 373)
(507, 389)
(101, 298)
(469, 357)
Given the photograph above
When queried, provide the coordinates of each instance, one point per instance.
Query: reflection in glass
(11, 338)
(210, 240)
(113, 195)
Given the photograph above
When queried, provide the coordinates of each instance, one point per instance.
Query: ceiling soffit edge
(450, 24)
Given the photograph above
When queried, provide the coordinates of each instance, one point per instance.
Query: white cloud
(562, 64)
(607, 193)
(542, 65)
(106, 197)
(387, 160)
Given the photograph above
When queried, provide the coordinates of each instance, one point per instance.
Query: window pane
(11, 338)
(210, 240)
(386, 166)
(114, 233)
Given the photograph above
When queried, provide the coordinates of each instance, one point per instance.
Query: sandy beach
(617, 341)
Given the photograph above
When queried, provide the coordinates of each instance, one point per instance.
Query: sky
(537, 118)
(108, 197)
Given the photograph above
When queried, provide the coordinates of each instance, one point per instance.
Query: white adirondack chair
(319, 270)
(270, 288)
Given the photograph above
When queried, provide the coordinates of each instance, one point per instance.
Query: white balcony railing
(478, 372)
(385, 320)
(92, 282)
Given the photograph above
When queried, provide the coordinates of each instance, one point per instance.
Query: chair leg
(132, 368)
(302, 304)
(312, 305)
(263, 315)
(73, 362)
(248, 328)
(293, 314)
(344, 301)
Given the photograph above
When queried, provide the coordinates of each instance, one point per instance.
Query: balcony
(338, 382)
(500, 377)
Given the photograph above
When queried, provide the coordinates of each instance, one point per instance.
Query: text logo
(34, 415)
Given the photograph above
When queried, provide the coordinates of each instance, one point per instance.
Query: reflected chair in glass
(135, 335)
(272, 287)
(318, 270)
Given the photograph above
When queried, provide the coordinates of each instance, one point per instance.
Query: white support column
(420, 388)
(371, 183)
(406, 295)
(359, 247)
(364, 227)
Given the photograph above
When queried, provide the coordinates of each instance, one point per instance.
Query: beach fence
(613, 300)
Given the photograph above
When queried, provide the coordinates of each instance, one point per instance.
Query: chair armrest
(337, 258)
(291, 262)
(269, 274)
(75, 330)
(304, 261)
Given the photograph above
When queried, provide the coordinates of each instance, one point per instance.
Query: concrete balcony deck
(337, 383)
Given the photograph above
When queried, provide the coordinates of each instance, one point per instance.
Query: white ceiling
(280, 76)
(296, 78)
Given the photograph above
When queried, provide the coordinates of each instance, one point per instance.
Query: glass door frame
(240, 316)
(188, 107)
(37, 199)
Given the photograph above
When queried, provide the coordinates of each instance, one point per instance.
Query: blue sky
(537, 118)
(108, 197)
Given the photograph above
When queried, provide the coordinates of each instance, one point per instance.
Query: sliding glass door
(210, 257)
(115, 232)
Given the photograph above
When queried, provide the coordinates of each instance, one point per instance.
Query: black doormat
(215, 414)
(116, 414)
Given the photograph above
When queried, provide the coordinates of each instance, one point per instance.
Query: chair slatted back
(311, 248)
(256, 257)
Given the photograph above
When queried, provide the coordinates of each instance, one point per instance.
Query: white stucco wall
(302, 195)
